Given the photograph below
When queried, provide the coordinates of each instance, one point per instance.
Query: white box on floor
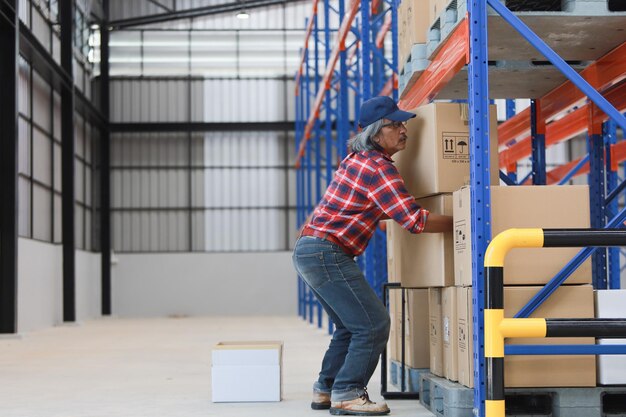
(246, 371)
(611, 304)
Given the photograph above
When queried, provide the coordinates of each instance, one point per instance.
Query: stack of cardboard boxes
(435, 168)
(434, 163)
(525, 272)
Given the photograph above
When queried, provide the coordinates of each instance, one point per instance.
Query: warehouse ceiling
(134, 14)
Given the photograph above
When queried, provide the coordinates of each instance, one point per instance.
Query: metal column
(66, 16)
(105, 166)
(597, 195)
(478, 95)
(610, 139)
(538, 143)
(9, 24)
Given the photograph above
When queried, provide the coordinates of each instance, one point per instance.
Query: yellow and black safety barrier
(497, 327)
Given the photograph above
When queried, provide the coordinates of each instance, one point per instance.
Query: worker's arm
(437, 223)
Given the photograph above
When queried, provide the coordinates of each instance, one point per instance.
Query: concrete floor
(156, 367)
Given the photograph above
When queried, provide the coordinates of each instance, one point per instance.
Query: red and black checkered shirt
(366, 186)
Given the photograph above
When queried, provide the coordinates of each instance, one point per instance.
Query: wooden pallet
(449, 399)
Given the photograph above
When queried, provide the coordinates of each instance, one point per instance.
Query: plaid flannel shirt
(366, 186)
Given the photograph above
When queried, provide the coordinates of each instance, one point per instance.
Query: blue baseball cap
(382, 108)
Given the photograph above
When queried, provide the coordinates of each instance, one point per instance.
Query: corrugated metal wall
(214, 190)
(227, 192)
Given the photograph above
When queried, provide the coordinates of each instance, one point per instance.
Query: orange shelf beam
(344, 29)
(566, 128)
(444, 66)
(602, 74)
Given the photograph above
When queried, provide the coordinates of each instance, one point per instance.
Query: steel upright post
(327, 99)
(66, 16)
(478, 95)
(378, 64)
(318, 141)
(105, 166)
(538, 143)
(610, 139)
(511, 170)
(394, 49)
(366, 70)
(597, 195)
(298, 105)
(343, 124)
(9, 36)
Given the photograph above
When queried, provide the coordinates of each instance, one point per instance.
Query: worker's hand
(436, 223)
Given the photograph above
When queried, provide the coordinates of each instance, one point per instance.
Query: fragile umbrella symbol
(461, 144)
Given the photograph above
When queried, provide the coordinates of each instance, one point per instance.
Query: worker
(365, 189)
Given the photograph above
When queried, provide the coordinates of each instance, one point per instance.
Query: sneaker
(321, 400)
(361, 406)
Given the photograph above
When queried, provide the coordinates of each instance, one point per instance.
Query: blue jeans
(361, 320)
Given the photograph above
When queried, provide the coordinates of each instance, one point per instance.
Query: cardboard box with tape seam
(552, 206)
(436, 157)
(569, 301)
(416, 340)
(247, 371)
(422, 260)
(435, 313)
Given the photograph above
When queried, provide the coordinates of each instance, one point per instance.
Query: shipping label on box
(249, 371)
(455, 147)
(524, 207)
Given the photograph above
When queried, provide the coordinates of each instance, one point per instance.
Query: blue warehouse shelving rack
(589, 102)
(334, 77)
(527, 134)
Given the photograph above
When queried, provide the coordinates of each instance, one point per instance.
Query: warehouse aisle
(155, 367)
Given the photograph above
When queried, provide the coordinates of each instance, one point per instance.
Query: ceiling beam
(195, 12)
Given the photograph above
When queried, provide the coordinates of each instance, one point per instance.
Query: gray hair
(364, 141)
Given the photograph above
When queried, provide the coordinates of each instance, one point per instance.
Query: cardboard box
(570, 301)
(246, 371)
(436, 157)
(536, 206)
(393, 256)
(435, 312)
(450, 335)
(424, 260)
(416, 342)
(395, 316)
(465, 336)
(611, 304)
